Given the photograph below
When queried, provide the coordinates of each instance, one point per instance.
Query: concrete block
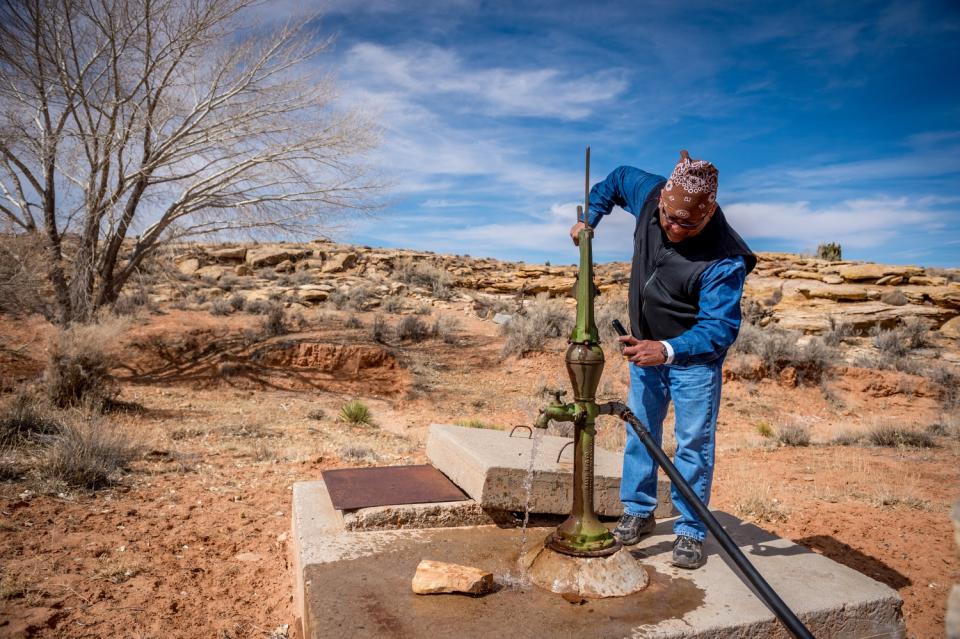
(444, 514)
(357, 584)
(492, 468)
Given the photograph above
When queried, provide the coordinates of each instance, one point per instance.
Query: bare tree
(125, 124)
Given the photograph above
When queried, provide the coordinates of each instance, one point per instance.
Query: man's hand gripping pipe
(767, 594)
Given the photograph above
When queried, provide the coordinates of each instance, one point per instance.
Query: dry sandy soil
(192, 540)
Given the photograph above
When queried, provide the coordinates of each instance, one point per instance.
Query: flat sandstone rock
(438, 577)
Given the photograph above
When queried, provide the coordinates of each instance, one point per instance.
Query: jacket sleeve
(718, 321)
(626, 187)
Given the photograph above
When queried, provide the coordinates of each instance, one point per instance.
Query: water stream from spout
(528, 489)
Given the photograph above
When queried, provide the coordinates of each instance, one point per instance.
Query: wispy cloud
(861, 223)
(430, 71)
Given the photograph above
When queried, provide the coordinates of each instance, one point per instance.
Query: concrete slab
(445, 514)
(357, 584)
(492, 468)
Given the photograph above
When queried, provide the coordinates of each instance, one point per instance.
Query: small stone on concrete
(437, 577)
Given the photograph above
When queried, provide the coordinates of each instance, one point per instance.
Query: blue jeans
(695, 391)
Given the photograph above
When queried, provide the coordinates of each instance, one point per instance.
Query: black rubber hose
(769, 596)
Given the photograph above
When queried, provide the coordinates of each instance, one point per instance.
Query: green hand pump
(582, 534)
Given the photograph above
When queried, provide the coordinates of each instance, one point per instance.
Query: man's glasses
(670, 219)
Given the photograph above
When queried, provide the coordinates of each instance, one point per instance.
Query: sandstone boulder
(213, 271)
(437, 577)
(242, 270)
(801, 275)
(951, 328)
(928, 280)
(188, 266)
(891, 280)
(313, 293)
(236, 253)
(838, 293)
(860, 272)
(285, 266)
(861, 316)
(832, 278)
(339, 262)
(272, 255)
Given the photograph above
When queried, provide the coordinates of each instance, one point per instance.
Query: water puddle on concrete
(371, 596)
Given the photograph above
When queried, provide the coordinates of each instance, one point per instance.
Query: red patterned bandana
(691, 192)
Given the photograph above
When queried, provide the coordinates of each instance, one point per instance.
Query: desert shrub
(130, 302)
(778, 349)
(257, 307)
(764, 429)
(360, 453)
(899, 436)
(837, 333)
(392, 304)
(412, 328)
(237, 302)
(830, 251)
(445, 328)
(274, 322)
(487, 305)
(227, 282)
(317, 414)
(378, 328)
(614, 307)
(543, 319)
(758, 506)
(752, 311)
(197, 298)
(775, 297)
(87, 456)
(356, 412)
(78, 371)
(946, 426)
(793, 435)
(436, 280)
(423, 308)
(221, 307)
(913, 333)
(24, 421)
(847, 438)
(949, 382)
(353, 322)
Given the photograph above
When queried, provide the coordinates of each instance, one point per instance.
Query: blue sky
(833, 121)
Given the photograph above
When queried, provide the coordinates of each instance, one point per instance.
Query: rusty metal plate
(352, 488)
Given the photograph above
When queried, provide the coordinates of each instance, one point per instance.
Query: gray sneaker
(631, 528)
(687, 552)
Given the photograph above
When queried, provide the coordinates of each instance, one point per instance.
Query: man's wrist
(667, 352)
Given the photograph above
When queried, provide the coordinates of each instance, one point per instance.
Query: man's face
(679, 229)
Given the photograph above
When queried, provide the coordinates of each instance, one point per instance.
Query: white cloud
(429, 70)
(859, 223)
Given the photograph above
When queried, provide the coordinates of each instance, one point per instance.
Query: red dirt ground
(193, 542)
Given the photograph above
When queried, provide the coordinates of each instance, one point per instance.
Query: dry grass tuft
(412, 328)
(24, 422)
(760, 507)
(88, 456)
(899, 437)
(794, 435)
(78, 371)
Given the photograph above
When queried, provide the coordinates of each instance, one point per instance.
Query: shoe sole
(687, 566)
